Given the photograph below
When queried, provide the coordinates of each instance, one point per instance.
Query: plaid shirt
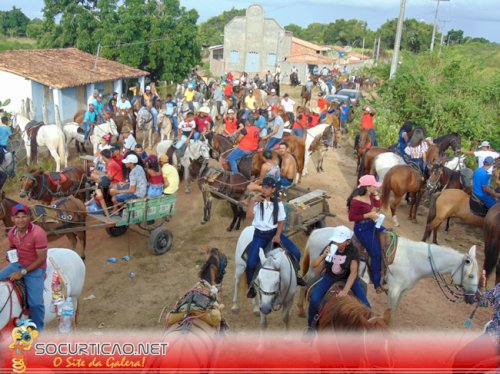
(492, 298)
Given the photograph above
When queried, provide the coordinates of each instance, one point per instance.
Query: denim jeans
(154, 112)
(180, 143)
(196, 135)
(272, 142)
(261, 240)
(322, 288)
(34, 288)
(371, 132)
(366, 232)
(154, 190)
(87, 127)
(233, 158)
(175, 125)
(298, 132)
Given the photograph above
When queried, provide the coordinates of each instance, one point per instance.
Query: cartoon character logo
(23, 336)
(337, 262)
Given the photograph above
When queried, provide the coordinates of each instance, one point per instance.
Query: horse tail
(361, 171)
(491, 240)
(386, 190)
(305, 262)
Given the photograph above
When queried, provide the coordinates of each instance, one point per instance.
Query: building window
(234, 57)
(271, 59)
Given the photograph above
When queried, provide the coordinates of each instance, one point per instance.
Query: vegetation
(457, 91)
(13, 22)
(7, 43)
(211, 32)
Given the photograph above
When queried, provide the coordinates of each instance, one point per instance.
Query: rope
(440, 280)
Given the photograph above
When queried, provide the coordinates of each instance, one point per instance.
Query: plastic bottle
(57, 297)
(67, 317)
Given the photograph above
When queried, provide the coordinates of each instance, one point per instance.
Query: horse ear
(387, 316)
(472, 251)
(262, 256)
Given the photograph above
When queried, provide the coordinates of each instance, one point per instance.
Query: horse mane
(205, 269)
(345, 313)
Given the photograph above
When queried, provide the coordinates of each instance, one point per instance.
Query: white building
(63, 77)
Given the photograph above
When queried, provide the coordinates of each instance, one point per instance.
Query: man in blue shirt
(480, 184)
(171, 112)
(344, 116)
(278, 127)
(98, 106)
(260, 122)
(5, 134)
(89, 120)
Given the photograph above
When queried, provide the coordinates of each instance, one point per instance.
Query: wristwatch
(24, 271)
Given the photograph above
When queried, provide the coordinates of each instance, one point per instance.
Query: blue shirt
(5, 132)
(90, 116)
(402, 143)
(170, 107)
(98, 106)
(260, 122)
(344, 112)
(480, 178)
(278, 121)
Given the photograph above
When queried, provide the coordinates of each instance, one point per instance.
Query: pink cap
(368, 180)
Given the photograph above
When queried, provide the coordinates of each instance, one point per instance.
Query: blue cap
(488, 161)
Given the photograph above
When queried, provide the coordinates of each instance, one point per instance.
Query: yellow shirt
(250, 102)
(170, 173)
(189, 95)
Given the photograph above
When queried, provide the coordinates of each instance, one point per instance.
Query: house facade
(59, 81)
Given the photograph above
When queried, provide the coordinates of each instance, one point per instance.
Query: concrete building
(64, 78)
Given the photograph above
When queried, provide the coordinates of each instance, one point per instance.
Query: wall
(15, 88)
(217, 67)
(70, 104)
(42, 94)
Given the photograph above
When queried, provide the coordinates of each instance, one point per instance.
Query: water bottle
(379, 221)
(67, 317)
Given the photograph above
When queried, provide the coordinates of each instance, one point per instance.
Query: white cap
(148, 88)
(230, 111)
(204, 109)
(341, 234)
(484, 144)
(273, 90)
(130, 159)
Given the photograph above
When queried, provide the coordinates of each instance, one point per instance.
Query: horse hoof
(229, 229)
(203, 222)
(235, 310)
(256, 312)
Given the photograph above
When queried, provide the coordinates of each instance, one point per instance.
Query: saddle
(57, 178)
(80, 130)
(477, 207)
(388, 243)
(21, 292)
(199, 302)
(267, 249)
(32, 125)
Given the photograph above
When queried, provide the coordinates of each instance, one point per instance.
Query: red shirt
(358, 208)
(313, 120)
(322, 103)
(27, 243)
(250, 141)
(300, 122)
(367, 121)
(228, 90)
(114, 170)
(203, 123)
(230, 125)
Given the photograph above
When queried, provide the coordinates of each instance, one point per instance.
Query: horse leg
(256, 309)
(447, 228)
(417, 203)
(187, 181)
(234, 208)
(72, 239)
(301, 302)
(56, 157)
(394, 207)
(241, 217)
(237, 278)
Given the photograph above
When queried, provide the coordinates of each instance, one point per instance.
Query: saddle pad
(57, 178)
(477, 207)
(20, 290)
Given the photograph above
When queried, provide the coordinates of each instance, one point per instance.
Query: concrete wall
(15, 88)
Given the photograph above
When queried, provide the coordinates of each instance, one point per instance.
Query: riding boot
(296, 267)
(251, 293)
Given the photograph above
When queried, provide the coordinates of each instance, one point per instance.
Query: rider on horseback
(89, 120)
(5, 134)
(480, 184)
(268, 214)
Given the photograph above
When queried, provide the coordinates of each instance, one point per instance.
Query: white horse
(50, 136)
(323, 86)
(71, 131)
(312, 133)
(165, 125)
(413, 261)
(73, 270)
(145, 126)
(385, 161)
(276, 281)
(456, 163)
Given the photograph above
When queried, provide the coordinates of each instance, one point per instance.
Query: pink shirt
(27, 243)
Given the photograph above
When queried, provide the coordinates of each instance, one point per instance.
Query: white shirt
(288, 105)
(129, 143)
(481, 155)
(266, 223)
(123, 104)
(187, 126)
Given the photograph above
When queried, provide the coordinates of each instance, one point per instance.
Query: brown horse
(305, 96)
(492, 242)
(365, 143)
(65, 213)
(446, 204)
(401, 179)
(196, 320)
(440, 177)
(219, 145)
(348, 314)
(48, 186)
(230, 185)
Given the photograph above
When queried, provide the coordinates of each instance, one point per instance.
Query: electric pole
(435, 24)
(442, 34)
(397, 42)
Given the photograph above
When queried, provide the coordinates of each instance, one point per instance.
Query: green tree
(416, 35)
(295, 29)
(13, 22)
(211, 31)
(314, 32)
(455, 37)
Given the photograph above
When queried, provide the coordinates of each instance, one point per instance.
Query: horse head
(29, 181)
(433, 182)
(468, 276)
(456, 142)
(113, 128)
(215, 267)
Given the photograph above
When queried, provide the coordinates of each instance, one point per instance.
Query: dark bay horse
(446, 204)
(305, 96)
(402, 179)
(492, 241)
(220, 144)
(229, 184)
(452, 140)
(440, 177)
(65, 213)
(47, 186)
(365, 144)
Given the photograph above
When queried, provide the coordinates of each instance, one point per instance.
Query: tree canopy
(13, 22)
(211, 32)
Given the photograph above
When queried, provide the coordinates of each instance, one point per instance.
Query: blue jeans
(233, 97)
(154, 190)
(322, 288)
(261, 240)
(180, 143)
(175, 125)
(371, 132)
(196, 135)
(343, 123)
(34, 288)
(87, 127)
(272, 142)
(233, 158)
(366, 232)
(419, 162)
(298, 132)
(154, 112)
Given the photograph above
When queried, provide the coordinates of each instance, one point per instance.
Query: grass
(8, 43)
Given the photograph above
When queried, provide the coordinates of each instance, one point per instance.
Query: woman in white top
(268, 214)
(417, 149)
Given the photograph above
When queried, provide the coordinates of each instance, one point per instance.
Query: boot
(251, 293)
(296, 266)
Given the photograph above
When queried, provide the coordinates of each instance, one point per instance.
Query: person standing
(481, 189)
(5, 134)
(484, 151)
(367, 123)
(217, 96)
(30, 243)
(363, 205)
(344, 116)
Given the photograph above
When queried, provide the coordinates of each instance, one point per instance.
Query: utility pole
(442, 35)
(374, 49)
(435, 24)
(97, 56)
(397, 42)
(378, 49)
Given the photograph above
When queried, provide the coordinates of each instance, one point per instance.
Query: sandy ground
(135, 303)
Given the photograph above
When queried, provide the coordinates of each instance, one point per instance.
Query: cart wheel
(116, 230)
(318, 225)
(160, 240)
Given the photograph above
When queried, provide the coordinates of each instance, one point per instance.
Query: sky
(478, 18)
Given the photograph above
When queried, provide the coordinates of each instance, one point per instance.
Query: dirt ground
(118, 301)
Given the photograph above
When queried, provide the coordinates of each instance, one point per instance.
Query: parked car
(340, 98)
(354, 95)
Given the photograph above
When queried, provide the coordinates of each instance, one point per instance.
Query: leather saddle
(21, 292)
(477, 207)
